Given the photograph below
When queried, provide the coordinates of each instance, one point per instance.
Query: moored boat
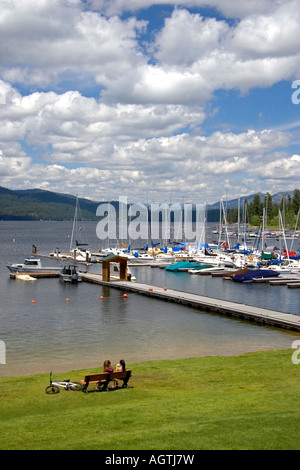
(198, 269)
(182, 266)
(252, 274)
(70, 274)
(31, 265)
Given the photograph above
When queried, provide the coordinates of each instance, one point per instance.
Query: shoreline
(207, 403)
(93, 365)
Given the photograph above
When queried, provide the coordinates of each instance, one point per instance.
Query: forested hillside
(37, 204)
(263, 209)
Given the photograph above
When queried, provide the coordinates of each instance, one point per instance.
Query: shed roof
(114, 257)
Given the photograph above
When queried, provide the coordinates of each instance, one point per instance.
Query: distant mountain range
(233, 203)
(38, 204)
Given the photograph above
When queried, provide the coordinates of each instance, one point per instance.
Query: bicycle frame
(53, 388)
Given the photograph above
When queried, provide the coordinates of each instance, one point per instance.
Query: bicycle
(55, 385)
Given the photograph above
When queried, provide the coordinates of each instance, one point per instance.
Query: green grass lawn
(250, 401)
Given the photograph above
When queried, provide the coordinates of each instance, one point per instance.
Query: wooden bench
(102, 380)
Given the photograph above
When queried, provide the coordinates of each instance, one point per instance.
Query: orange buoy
(165, 288)
(125, 296)
(33, 301)
(101, 297)
(67, 300)
(150, 288)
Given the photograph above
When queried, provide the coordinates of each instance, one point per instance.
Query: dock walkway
(257, 314)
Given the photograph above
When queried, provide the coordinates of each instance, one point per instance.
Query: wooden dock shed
(112, 258)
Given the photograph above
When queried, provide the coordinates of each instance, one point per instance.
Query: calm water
(58, 335)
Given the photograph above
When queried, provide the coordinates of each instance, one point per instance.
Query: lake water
(59, 335)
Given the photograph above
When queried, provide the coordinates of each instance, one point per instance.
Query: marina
(52, 325)
(260, 315)
(114, 275)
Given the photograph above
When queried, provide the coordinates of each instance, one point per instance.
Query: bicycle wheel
(52, 389)
(76, 386)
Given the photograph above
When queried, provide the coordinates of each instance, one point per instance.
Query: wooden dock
(234, 309)
(36, 274)
(291, 283)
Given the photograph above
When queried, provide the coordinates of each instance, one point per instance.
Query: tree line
(259, 211)
(13, 207)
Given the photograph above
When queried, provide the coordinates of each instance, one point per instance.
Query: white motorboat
(142, 258)
(165, 258)
(207, 270)
(31, 265)
(117, 252)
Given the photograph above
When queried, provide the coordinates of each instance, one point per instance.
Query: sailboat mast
(239, 219)
(74, 229)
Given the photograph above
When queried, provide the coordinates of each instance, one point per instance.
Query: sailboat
(78, 238)
(78, 231)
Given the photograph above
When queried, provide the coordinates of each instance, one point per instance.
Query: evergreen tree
(269, 206)
(296, 201)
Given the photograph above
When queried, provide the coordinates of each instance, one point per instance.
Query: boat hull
(70, 275)
(71, 279)
(17, 268)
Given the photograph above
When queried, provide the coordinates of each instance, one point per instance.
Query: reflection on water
(55, 334)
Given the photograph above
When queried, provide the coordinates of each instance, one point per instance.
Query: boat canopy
(268, 256)
(291, 254)
(182, 265)
(180, 247)
(255, 274)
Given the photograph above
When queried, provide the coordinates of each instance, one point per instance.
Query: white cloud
(286, 168)
(229, 8)
(214, 56)
(142, 133)
(196, 56)
(54, 38)
(113, 154)
(186, 38)
(272, 35)
(81, 129)
(57, 41)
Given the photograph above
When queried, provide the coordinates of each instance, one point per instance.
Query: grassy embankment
(249, 401)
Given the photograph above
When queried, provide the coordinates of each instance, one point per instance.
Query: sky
(158, 101)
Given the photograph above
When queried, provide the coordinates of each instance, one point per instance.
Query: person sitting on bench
(107, 367)
(121, 366)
